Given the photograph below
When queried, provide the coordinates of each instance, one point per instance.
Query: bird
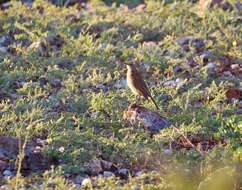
(137, 84)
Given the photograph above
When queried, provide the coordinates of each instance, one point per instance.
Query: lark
(137, 84)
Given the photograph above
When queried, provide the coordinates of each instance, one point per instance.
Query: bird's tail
(152, 99)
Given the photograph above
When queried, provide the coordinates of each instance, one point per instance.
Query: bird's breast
(131, 83)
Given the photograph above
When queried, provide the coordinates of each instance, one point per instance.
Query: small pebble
(168, 152)
(7, 173)
(3, 164)
(3, 50)
(227, 73)
(184, 40)
(177, 69)
(235, 66)
(108, 174)
(139, 173)
(123, 171)
(79, 179)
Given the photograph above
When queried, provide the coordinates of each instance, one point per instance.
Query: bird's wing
(141, 85)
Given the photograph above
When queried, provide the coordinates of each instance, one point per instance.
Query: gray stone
(168, 152)
(139, 173)
(3, 49)
(108, 174)
(120, 84)
(79, 179)
(7, 173)
(3, 165)
(123, 171)
(184, 40)
(2, 39)
(175, 82)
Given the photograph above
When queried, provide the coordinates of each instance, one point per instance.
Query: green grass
(66, 91)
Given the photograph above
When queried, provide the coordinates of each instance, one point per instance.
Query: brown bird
(137, 84)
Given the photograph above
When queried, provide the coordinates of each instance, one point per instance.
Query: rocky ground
(68, 119)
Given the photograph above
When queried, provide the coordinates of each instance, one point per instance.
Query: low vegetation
(62, 81)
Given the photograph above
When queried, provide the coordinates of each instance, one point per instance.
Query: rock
(67, 175)
(238, 5)
(140, 7)
(55, 41)
(227, 73)
(151, 120)
(175, 109)
(56, 83)
(3, 49)
(37, 149)
(3, 154)
(86, 181)
(36, 45)
(185, 40)
(123, 173)
(170, 83)
(212, 67)
(108, 174)
(150, 44)
(3, 165)
(61, 149)
(177, 69)
(97, 166)
(234, 66)
(79, 179)
(192, 63)
(40, 47)
(206, 55)
(4, 6)
(168, 152)
(139, 173)
(7, 173)
(41, 142)
(198, 44)
(227, 6)
(107, 165)
(120, 84)
(2, 39)
(175, 82)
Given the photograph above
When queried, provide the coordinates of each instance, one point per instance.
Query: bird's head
(130, 66)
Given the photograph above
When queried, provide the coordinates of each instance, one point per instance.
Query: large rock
(152, 121)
